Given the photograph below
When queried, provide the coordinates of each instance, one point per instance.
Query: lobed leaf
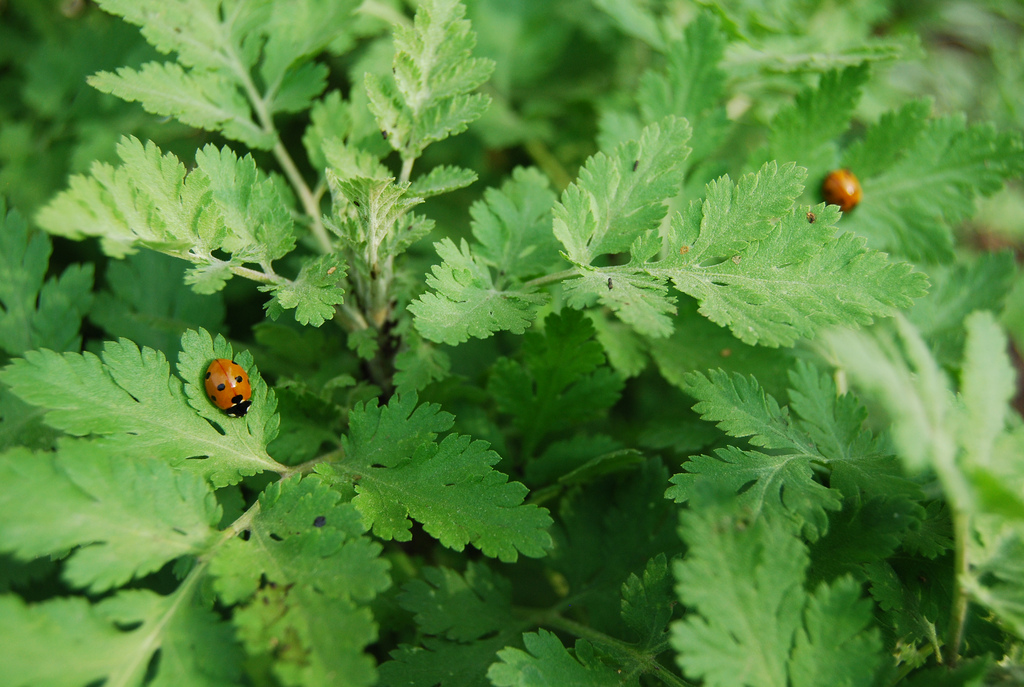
(547, 662)
(401, 472)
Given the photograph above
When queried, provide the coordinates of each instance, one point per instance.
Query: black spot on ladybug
(220, 387)
(811, 218)
(207, 375)
(213, 398)
(319, 521)
(236, 399)
(238, 379)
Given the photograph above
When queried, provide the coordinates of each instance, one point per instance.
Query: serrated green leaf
(259, 223)
(303, 576)
(224, 204)
(806, 130)
(203, 99)
(467, 303)
(68, 642)
(647, 602)
(129, 402)
(773, 282)
(442, 663)
(561, 382)
(620, 197)
(34, 314)
(427, 96)
(916, 190)
(313, 294)
(129, 517)
(442, 179)
(986, 387)
(827, 431)
(401, 472)
(547, 662)
(637, 298)
(692, 85)
(148, 303)
(513, 225)
(460, 607)
(740, 577)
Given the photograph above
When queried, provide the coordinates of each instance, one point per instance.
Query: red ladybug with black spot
(228, 387)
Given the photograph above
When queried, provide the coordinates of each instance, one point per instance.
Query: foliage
(561, 371)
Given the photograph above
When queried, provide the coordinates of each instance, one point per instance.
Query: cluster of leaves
(605, 434)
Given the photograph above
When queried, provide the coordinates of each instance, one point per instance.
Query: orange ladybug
(228, 387)
(842, 188)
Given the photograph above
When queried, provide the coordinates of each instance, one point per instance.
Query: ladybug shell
(842, 188)
(228, 387)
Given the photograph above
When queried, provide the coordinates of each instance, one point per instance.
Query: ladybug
(842, 188)
(228, 387)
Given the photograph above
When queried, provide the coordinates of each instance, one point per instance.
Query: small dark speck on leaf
(811, 218)
(319, 521)
(609, 283)
(636, 164)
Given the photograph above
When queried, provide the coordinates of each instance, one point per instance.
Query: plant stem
(642, 659)
(549, 163)
(551, 278)
(958, 609)
(308, 199)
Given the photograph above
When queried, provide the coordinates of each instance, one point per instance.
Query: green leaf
(313, 294)
(772, 281)
(620, 197)
(442, 179)
(460, 607)
(258, 222)
(513, 226)
(400, 471)
(637, 298)
(68, 642)
(987, 386)
(442, 663)
(130, 403)
(692, 85)
(974, 283)
(34, 314)
(148, 303)
(648, 602)
(806, 130)
(835, 646)
(546, 662)
(467, 303)
(562, 381)
(827, 431)
(427, 97)
(223, 205)
(740, 577)
(303, 577)
(203, 99)
(129, 517)
(917, 189)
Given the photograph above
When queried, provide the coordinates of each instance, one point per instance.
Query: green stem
(549, 163)
(958, 608)
(551, 278)
(284, 158)
(643, 659)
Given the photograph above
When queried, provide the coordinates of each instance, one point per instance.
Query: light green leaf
(467, 303)
(129, 517)
(130, 403)
(427, 96)
(304, 576)
(400, 471)
(313, 294)
(203, 99)
(546, 662)
(620, 197)
(442, 179)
